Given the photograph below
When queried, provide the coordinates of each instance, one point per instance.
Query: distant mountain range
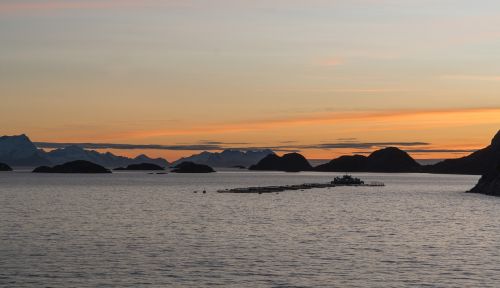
(19, 151)
(72, 153)
(227, 158)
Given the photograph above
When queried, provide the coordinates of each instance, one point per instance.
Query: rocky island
(489, 184)
(291, 162)
(4, 167)
(190, 167)
(141, 167)
(387, 160)
(78, 166)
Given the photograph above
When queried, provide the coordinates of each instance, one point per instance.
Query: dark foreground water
(139, 230)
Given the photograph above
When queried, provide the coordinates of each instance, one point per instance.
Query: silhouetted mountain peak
(291, 162)
(294, 156)
(390, 159)
(18, 150)
(388, 151)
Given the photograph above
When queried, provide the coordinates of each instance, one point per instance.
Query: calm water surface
(140, 230)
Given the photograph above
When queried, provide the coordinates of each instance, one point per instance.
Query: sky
(325, 78)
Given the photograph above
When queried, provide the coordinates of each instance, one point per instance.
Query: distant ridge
(227, 158)
(71, 153)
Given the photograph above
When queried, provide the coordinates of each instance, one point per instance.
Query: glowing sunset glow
(288, 75)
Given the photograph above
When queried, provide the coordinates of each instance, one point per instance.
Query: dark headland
(141, 167)
(4, 167)
(291, 162)
(481, 162)
(78, 166)
(190, 167)
(489, 183)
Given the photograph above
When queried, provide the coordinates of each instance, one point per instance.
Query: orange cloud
(377, 120)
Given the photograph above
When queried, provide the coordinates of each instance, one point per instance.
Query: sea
(134, 229)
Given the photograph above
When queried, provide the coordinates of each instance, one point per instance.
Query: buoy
(204, 191)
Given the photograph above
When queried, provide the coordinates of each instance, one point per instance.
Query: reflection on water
(135, 230)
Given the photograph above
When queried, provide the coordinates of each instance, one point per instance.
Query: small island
(387, 160)
(4, 167)
(78, 166)
(190, 167)
(141, 167)
(291, 162)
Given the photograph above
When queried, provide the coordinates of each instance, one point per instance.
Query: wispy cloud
(186, 147)
(460, 151)
(389, 120)
(359, 145)
(214, 145)
(431, 151)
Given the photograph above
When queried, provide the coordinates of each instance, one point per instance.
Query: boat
(347, 180)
